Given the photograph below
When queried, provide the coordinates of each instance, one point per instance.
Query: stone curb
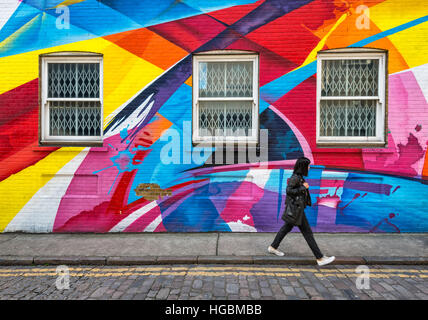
(123, 261)
(159, 260)
(74, 260)
(283, 260)
(16, 260)
(225, 260)
(177, 260)
(396, 260)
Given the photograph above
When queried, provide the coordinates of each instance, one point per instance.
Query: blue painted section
(196, 214)
(113, 16)
(22, 15)
(389, 32)
(282, 142)
(407, 212)
(274, 90)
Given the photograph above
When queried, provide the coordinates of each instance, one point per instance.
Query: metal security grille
(349, 97)
(73, 80)
(74, 118)
(226, 79)
(356, 77)
(348, 118)
(227, 118)
(226, 98)
(73, 99)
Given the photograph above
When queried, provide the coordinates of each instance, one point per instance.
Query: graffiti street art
(147, 59)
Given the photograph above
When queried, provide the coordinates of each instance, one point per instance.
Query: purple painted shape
(175, 205)
(326, 222)
(221, 202)
(264, 212)
(379, 188)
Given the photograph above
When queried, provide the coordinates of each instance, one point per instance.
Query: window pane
(348, 118)
(75, 118)
(225, 118)
(226, 79)
(353, 77)
(73, 80)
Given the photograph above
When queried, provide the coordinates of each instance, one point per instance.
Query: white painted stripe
(38, 215)
(8, 7)
(241, 227)
(133, 119)
(258, 176)
(421, 75)
(154, 224)
(125, 223)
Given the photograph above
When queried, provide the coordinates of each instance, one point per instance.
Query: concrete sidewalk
(208, 248)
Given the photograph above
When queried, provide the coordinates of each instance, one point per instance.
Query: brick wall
(126, 185)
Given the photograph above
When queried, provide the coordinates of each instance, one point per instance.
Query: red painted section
(233, 14)
(272, 64)
(189, 33)
(19, 118)
(299, 106)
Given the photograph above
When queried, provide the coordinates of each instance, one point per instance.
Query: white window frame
(67, 57)
(348, 54)
(226, 56)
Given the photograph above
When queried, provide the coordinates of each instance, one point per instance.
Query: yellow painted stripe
(67, 3)
(124, 73)
(212, 274)
(321, 275)
(200, 269)
(389, 14)
(313, 54)
(18, 189)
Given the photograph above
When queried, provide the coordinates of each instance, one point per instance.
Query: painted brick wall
(147, 47)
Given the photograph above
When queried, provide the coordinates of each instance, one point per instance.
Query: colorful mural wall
(147, 48)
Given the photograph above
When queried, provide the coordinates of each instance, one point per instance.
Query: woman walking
(294, 215)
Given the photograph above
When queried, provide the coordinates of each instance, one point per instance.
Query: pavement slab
(211, 247)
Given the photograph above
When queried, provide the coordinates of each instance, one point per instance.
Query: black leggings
(305, 228)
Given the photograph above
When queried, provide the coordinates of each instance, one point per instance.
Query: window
(71, 98)
(351, 104)
(225, 97)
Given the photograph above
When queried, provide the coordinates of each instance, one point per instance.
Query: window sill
(214, 144)
(348, 144)
(62, 144)
(211, 141)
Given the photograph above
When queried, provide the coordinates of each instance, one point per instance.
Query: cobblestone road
(211, 282)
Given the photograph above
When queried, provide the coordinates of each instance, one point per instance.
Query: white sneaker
(325, 260)
(274, 251)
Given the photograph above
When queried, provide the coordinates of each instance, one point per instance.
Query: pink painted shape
(107, 179)
(71, 205)
(406, 144)
(141, 223)
(329, 201)
(237, 208)
(160, 228)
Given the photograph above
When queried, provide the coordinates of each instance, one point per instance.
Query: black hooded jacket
(297, 196)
